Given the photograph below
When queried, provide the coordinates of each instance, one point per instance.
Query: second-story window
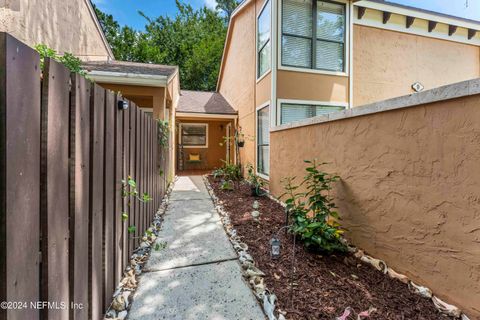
(313, 34)
(263, 40)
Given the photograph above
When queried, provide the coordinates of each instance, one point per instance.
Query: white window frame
(306, 102)
(263, 105)
(347, 55)
(257, 65)
(193, 124)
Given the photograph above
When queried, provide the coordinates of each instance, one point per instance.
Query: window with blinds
(313, 34)
(193, 134)
(263, 140)
(290, 112)
(263, 41)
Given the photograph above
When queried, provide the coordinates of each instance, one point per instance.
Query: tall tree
(227, 6)
(193, 40)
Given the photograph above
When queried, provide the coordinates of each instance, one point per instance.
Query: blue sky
(125, 11)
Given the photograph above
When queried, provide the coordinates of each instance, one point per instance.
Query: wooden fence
(65, 147)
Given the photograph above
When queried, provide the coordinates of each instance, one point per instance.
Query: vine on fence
(129, 189)
(72, 63)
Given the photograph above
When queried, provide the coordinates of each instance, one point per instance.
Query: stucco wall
(409, 189)
(215, 152)
(387, 63)
(311, 86)
(238, 78)
(64, 25)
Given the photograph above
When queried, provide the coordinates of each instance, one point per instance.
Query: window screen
(263, 140)
(294, 112)
(194, 135)
(313, 34)
(263, 41)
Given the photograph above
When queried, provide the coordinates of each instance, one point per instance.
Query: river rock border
(378, 264)
(122, 297)
(253, 275)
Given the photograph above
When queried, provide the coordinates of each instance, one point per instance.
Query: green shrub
(255, 181)
(227, 185)
(231, 171)
(72, 63)
(312, 212)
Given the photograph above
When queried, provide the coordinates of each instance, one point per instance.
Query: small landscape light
(275, 250)
(122, 105)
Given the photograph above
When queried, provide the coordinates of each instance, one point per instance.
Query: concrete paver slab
(207, 292)
(197, 275)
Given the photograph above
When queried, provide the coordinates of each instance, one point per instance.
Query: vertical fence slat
(19, 176)
(141, 166)
(132, 212)
(150, 176)
(126, 172)
(96, 201)
(118, 118)
(137, 157)
(80, 185)
(108, 209)
(54, 187)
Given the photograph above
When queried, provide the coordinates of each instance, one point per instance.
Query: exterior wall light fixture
(122, 105)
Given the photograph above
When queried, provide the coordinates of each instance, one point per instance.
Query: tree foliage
(193, 40)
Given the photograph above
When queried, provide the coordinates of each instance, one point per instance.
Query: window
(313, 34)
(194, 135)
(263, 41)
(294, 112)
(263, 141)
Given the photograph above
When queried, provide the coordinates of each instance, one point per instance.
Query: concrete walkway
(197, 276)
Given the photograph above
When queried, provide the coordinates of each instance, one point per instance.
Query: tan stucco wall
(66, 26)
(238, 79)
(386, 63)
(215, 152)
(237, 83)
(311, 86)
(408, 194)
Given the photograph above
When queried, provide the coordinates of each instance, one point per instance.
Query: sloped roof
(203, 102)
(130, 67)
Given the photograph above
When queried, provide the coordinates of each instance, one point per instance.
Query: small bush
(312, 212)
(255, 181)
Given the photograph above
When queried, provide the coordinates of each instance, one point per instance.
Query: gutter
(128, 78)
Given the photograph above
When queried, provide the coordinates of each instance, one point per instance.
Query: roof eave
(128, 78)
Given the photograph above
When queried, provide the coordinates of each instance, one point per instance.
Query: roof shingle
(130, 67)
(203, 102)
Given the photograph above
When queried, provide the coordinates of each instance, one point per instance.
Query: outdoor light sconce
(275, 249)
(122, 105)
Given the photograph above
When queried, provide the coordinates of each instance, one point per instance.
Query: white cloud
(211, 3)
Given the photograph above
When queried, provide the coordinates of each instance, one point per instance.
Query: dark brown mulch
(322, 286)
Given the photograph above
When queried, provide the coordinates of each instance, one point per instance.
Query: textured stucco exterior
(386, 63)
(238, 77)
(64, 25)
(408, 194)
(311, 86)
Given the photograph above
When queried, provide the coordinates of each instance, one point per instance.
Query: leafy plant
(131, 229)
(231, 171)
(218, 173)
(129, 189)
(312, 211)
(72, 63)
(163, 132)
(255, 181)
(227, 185)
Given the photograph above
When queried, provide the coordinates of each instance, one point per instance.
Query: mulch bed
(322, 286)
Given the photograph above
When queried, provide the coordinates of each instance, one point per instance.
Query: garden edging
(123, 294)
(253, 275)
